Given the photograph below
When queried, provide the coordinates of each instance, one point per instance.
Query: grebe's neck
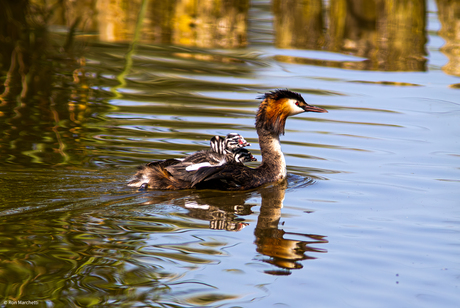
(273, 161)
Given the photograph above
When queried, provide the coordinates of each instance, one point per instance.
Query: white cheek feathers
(294, 109)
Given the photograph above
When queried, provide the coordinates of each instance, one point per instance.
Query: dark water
(368, 217)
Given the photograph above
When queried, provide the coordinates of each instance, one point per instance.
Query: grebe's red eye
(297, 103)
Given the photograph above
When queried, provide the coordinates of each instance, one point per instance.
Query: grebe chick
(229, 150)
(222, 150)
(231, 142)
(217, 155)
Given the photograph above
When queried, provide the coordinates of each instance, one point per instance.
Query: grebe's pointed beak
(310, 108)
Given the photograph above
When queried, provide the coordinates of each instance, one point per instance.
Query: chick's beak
(243, 143)
(310, 108)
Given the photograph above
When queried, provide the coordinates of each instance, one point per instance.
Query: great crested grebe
(275, 108)
(223, 150)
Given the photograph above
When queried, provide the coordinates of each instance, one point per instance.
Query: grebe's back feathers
(155, 174)
(233, 175)
(228, 177)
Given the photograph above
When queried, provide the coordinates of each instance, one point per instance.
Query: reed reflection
(210, 24)
(298, 23)
(390, 34)
(45, 98)
(450, 32)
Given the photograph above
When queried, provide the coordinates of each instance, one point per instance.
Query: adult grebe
(275, 108)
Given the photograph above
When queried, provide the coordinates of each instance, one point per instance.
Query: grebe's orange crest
(277, 106)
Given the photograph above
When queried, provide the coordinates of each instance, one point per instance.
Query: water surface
(368, 217)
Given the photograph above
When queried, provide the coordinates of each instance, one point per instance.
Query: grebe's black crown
(280, 93)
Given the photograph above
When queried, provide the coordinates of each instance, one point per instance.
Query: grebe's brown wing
(180, 171)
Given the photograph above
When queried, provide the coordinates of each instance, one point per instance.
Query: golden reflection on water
(210, 24)
(448, 12)
(369, 29)
(390, 34)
